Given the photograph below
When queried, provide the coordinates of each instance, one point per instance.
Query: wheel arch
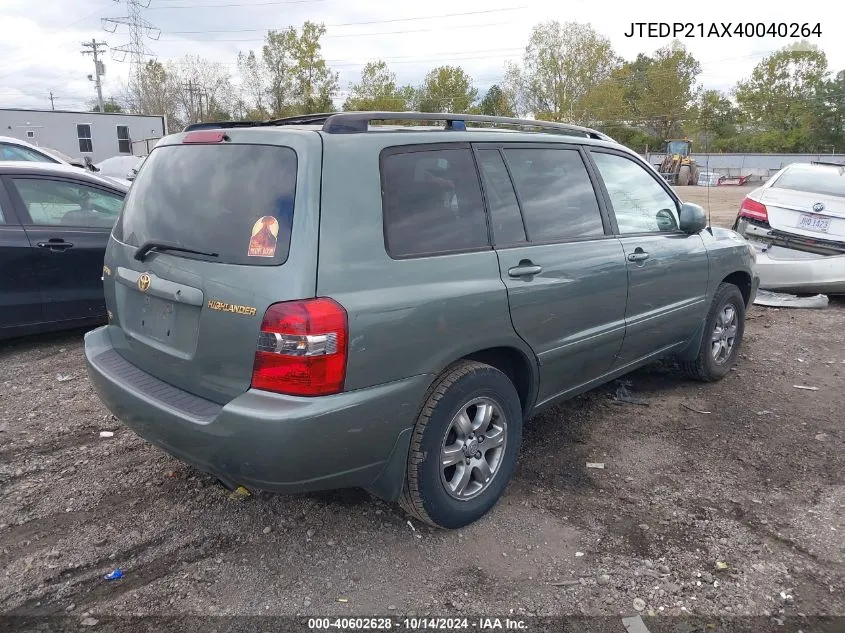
(516, 364)
(739, 278)
(742, 280)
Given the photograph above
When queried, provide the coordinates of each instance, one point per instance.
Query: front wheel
(464, 446)
(722, 339)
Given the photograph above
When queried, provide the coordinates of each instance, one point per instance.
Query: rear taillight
(302, 348)
(754, 210)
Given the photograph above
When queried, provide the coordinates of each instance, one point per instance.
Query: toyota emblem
(818, 207)
(144, 282)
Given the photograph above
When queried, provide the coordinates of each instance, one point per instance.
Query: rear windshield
(824, 181)
(233, 200)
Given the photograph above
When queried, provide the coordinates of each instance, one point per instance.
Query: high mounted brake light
(753, 210)
(205, 136)
(302, 348)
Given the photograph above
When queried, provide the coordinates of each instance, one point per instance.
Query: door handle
(525, 269)
(638, 256)
(55, 244)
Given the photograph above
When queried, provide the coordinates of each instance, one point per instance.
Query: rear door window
(432, 202)
(233, 200)
(505, 216)
(557, 196)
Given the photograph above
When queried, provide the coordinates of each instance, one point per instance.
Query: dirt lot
(722, 202)
(724, 499)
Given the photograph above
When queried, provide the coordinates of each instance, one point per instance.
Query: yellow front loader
(679, 167)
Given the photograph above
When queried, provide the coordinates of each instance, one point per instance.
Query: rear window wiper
(150, 245)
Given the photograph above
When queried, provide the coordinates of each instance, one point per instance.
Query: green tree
(377, 91)
(314, 82)
(498, 102)
(277, 55)
(560, 65)
(109, 105)
(777, 102)
(665, 97)
(713, 121)
(828, 120)
(298, 78)
(446, 89)
(606, 104)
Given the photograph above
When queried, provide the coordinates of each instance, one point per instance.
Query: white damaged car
(796, 223)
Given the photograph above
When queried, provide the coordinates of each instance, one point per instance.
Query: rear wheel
(683, 176)
(464, 446)
(722, 339)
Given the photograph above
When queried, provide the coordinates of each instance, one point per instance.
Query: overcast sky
(40, 47)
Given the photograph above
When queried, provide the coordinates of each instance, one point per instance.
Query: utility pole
(193, 92)
(52, 105)
(99, 67)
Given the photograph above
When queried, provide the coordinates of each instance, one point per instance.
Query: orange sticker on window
(264, 237)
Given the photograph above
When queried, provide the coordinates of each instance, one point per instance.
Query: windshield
(677, 147)
(233, 200)
(824, 181)
(19, 153)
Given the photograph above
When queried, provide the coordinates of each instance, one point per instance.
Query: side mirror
(693, 218)
(666, 220)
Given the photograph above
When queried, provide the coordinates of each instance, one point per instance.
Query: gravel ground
(722, 202)
(724, 499)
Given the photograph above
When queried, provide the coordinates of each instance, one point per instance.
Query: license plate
(157, 318)
(814, 223)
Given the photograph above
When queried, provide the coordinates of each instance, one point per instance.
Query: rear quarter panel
(406, 317)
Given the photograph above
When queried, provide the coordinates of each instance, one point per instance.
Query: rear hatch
(211, 234)
(809, 202)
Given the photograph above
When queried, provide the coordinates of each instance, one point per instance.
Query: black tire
(424, 495)
(683, 176)
(705, 368)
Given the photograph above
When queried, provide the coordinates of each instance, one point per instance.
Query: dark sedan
(55, 221)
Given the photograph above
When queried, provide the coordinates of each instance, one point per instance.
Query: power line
(344, 35)
(389, 21)
(234, 4)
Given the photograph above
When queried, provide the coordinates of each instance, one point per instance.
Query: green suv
(360, 300)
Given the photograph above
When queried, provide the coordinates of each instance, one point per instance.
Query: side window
(124, 145)
(640, 203)
(55, 202)
(16, 152)
(505, 216)
(558, 200)
(432, 202)
(83, 133)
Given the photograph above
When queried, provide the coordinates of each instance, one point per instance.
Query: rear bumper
(793, 271)
(279, 443)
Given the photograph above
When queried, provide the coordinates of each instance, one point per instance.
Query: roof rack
(359, 122)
